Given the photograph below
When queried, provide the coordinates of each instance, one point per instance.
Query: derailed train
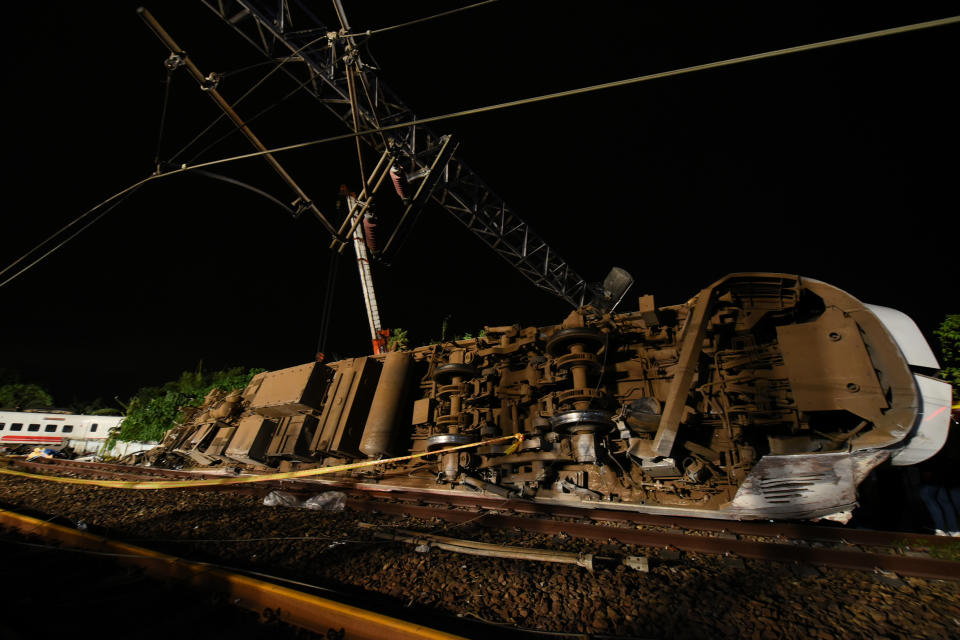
(765, 396)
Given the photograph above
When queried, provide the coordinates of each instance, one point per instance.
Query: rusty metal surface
(828, 366)
(249, 443)
(764, 396)
(291, 391)
(346, 407)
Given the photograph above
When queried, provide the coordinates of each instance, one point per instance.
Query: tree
(155, 410)
(949, 335)
(24, 396)
(398, 340)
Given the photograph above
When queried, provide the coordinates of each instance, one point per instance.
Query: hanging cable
(350, 63)
(246, 122)
(256, 65)
(120, 197)
(163, 112)
(115, 200)
(256, 85)
(598, 87)
(495, 107)
(352, 88)
(327, 312)
(425, 19)
(248, 187)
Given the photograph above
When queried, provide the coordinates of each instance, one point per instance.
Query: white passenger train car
(82, 433)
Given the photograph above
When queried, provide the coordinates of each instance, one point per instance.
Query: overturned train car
(764, 396)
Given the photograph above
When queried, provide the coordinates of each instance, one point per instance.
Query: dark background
(839, 164)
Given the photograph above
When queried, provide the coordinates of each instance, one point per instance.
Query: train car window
(68, 428)
(93, 427)
(33, 427)
(2, 425)
(50, 428)
(16, 426)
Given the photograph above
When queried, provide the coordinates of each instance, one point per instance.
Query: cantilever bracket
(428, 182)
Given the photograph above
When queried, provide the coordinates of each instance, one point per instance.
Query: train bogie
(766, 395)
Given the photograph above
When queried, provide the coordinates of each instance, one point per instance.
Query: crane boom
(288, 29)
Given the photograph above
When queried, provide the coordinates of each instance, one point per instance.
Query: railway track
(273, 602)
(827, 546)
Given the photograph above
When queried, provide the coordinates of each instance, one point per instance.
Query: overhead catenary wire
(426, 18)
(329, 293)
(290, 57)
(247, 122)
(113, 201)
(485, 109)
(243, 97)
(163, 114)
(598, 87)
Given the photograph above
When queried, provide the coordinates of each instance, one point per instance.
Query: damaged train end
(764, 396)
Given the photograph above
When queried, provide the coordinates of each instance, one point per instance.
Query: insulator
(400, 183)
(211, 82)
(175, 61)
(370, 231)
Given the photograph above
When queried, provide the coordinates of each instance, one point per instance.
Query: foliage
(154, 410)
(106, 411)
(398, 340)
(24, 396)
(95, 408)
(443, 328)
(470, 336)
(949, 550)
(949, 335)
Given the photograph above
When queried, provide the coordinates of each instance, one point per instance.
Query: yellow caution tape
(305, 473)
(516, 445)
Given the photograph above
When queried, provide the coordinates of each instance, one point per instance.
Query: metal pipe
(483, 485)
(363, 208)
(386, 403)
(361, 198)
(472, 548)
(230, 113)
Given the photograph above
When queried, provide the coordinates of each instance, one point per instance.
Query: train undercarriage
(764, 396)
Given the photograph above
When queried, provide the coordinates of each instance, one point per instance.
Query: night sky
(839, 164)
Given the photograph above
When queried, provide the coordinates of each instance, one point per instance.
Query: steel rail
(785, 552)
(824, 533)
(776, 552)
(296, 608)
(789, 530)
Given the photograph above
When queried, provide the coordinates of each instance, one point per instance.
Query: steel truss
(286, 29)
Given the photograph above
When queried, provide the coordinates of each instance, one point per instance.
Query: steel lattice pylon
(285, 28)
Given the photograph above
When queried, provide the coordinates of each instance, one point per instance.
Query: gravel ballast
(682, 596)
